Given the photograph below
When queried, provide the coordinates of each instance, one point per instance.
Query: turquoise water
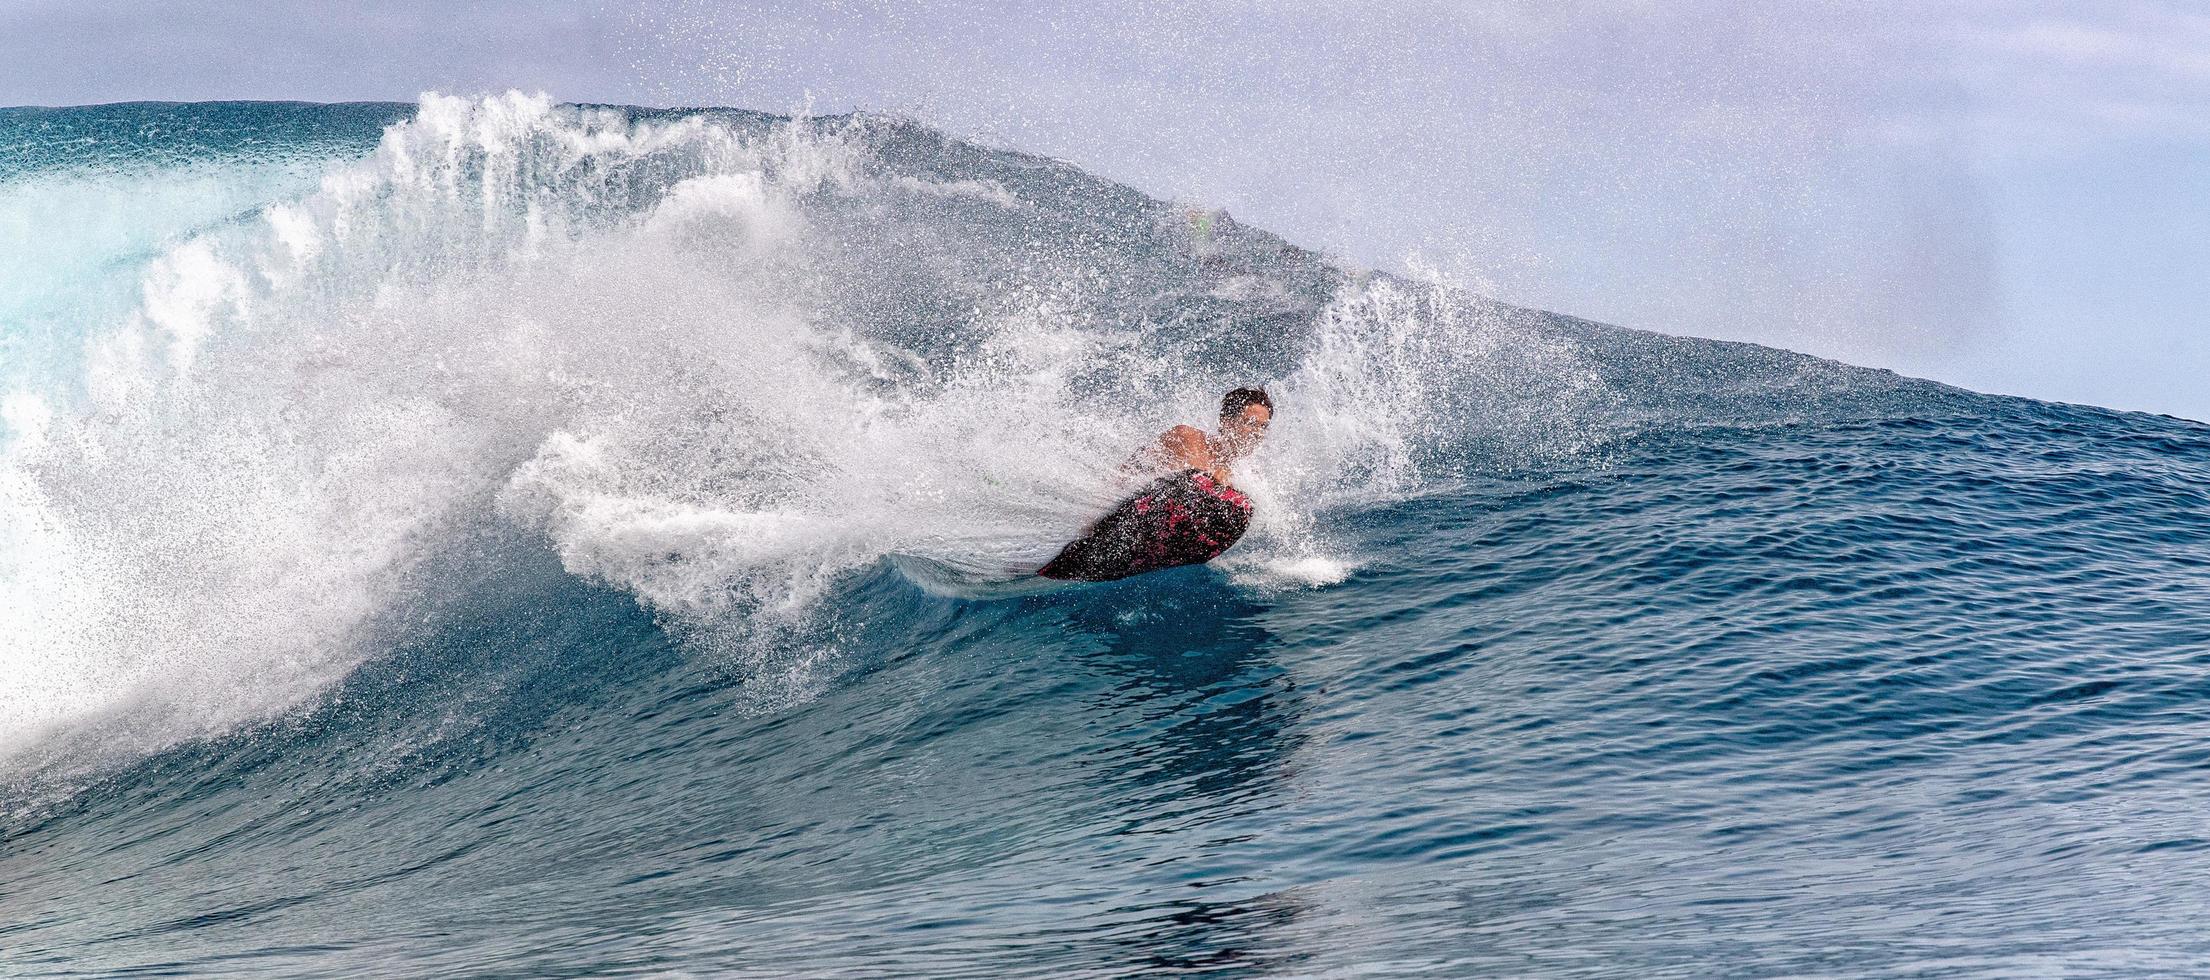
(497, 538)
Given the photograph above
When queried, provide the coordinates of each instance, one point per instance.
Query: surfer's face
(1243, 430)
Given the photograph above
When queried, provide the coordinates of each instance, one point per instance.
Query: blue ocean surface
(491, 537)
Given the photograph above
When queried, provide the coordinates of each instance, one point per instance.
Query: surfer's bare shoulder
(1186, 445)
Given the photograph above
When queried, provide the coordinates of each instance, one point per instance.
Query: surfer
(1186, 517)
(1244, 416)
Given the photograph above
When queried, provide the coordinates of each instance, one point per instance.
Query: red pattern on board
(1184, 519)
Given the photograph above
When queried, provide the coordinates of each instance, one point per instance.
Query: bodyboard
(1184, 518)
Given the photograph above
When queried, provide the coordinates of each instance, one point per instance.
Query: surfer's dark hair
(1233, 403)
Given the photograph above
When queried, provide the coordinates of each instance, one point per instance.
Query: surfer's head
(1244, 415)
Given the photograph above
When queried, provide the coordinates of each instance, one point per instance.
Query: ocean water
(492, 537)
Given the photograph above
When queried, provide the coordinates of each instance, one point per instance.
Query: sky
(2009, 195)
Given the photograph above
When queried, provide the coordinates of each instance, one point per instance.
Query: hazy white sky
(2013, 195)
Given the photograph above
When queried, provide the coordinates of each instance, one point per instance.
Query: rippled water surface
(568, 623)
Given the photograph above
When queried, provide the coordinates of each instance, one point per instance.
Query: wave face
(498, 536)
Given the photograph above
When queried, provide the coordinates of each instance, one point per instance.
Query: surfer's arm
(1170, 452)
(1185, 446)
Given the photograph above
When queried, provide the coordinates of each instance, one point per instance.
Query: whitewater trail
(719, 361)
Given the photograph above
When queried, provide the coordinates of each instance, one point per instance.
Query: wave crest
(718, 360)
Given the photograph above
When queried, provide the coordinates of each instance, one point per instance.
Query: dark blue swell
(1880, 696)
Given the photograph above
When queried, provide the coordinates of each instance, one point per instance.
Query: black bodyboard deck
(1184, 518)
